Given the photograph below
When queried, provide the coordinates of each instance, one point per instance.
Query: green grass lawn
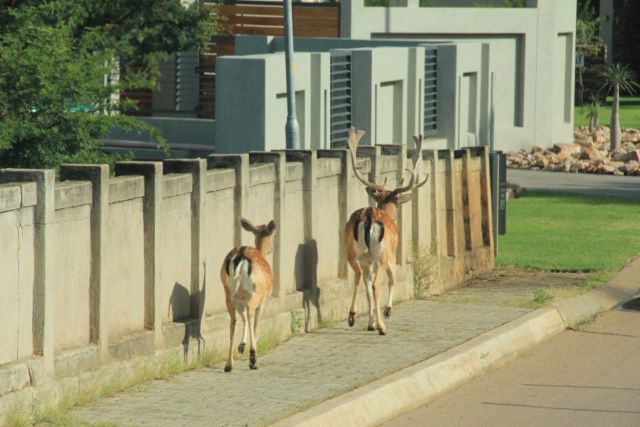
(551, 231)
(629, 113)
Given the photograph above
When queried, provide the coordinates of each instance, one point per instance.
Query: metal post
(292, 130)
(498, 195)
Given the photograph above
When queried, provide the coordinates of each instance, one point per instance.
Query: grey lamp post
(292, 130)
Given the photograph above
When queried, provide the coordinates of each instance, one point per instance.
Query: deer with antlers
(371, 235)
(247, 280)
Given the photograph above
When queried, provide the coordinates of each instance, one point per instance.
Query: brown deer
(247, 280)
(371, 235)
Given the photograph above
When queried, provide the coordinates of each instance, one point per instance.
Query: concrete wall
(251, 97)
(386, 89)
(505, 76)
(532, 58)
(105, 272)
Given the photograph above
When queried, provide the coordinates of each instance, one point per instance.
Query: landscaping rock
(589, 153)
(567, 148)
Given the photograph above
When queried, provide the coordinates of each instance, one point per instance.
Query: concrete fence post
(374, 154)
(240, 164)
(44, 262)
(420, 212)
(487, 216)
(152, 173)
(346, 174)
(309, 159)
(197, 168)
(469, 217)
(403, 216)
(450, 197)
(98, 175)
(436, 204)
(279, 162)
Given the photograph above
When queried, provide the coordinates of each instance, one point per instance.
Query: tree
(588, 43)
(618, 77)
(57, 99)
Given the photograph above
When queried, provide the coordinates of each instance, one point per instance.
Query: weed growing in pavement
(541, 297)
(426, 272)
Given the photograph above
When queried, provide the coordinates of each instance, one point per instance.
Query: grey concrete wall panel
(531, 58)
(73, 269)
(17, 264)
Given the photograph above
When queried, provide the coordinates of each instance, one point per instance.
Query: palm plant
(618, 77)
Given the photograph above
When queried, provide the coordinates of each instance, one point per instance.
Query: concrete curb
(411, 387)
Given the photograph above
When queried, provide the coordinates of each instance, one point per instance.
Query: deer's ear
(403, 198)
(271, 227)
(246, 224)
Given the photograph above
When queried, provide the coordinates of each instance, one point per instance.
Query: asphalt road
(584, 378)
(576, 183)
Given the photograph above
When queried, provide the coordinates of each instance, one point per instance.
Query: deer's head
(264, 234)
(384, 197)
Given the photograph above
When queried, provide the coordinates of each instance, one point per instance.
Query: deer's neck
(263, 246)
(390, 209)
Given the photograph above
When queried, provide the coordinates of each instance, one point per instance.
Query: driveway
(608, 185)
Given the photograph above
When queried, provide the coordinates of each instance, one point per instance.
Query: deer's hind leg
(357, 268)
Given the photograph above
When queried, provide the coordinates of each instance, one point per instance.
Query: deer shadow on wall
(180, 303)
(306, 279)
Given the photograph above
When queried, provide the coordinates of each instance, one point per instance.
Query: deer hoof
(227, 368)
(352, 318)
(241, 347)
(253, 360)
(382, 331)
(387, 312)
(371, 328)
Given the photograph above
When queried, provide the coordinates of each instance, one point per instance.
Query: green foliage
(570, 232)
(587, 26)
(620, 76)
(593, 114)
(540, 297)
(59, 72)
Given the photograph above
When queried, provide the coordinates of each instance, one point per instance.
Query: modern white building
(463, 76)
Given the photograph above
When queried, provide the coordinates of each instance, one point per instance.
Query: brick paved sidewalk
(304, 371)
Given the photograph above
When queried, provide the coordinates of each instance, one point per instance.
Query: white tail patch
(375, 245)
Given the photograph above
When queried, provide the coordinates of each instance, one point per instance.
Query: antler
(354, 138)
(417, 161)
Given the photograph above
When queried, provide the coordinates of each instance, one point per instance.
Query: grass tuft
(426, 272)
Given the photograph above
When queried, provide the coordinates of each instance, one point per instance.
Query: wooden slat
(255, 20)
(313, 32)
(320, 12)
